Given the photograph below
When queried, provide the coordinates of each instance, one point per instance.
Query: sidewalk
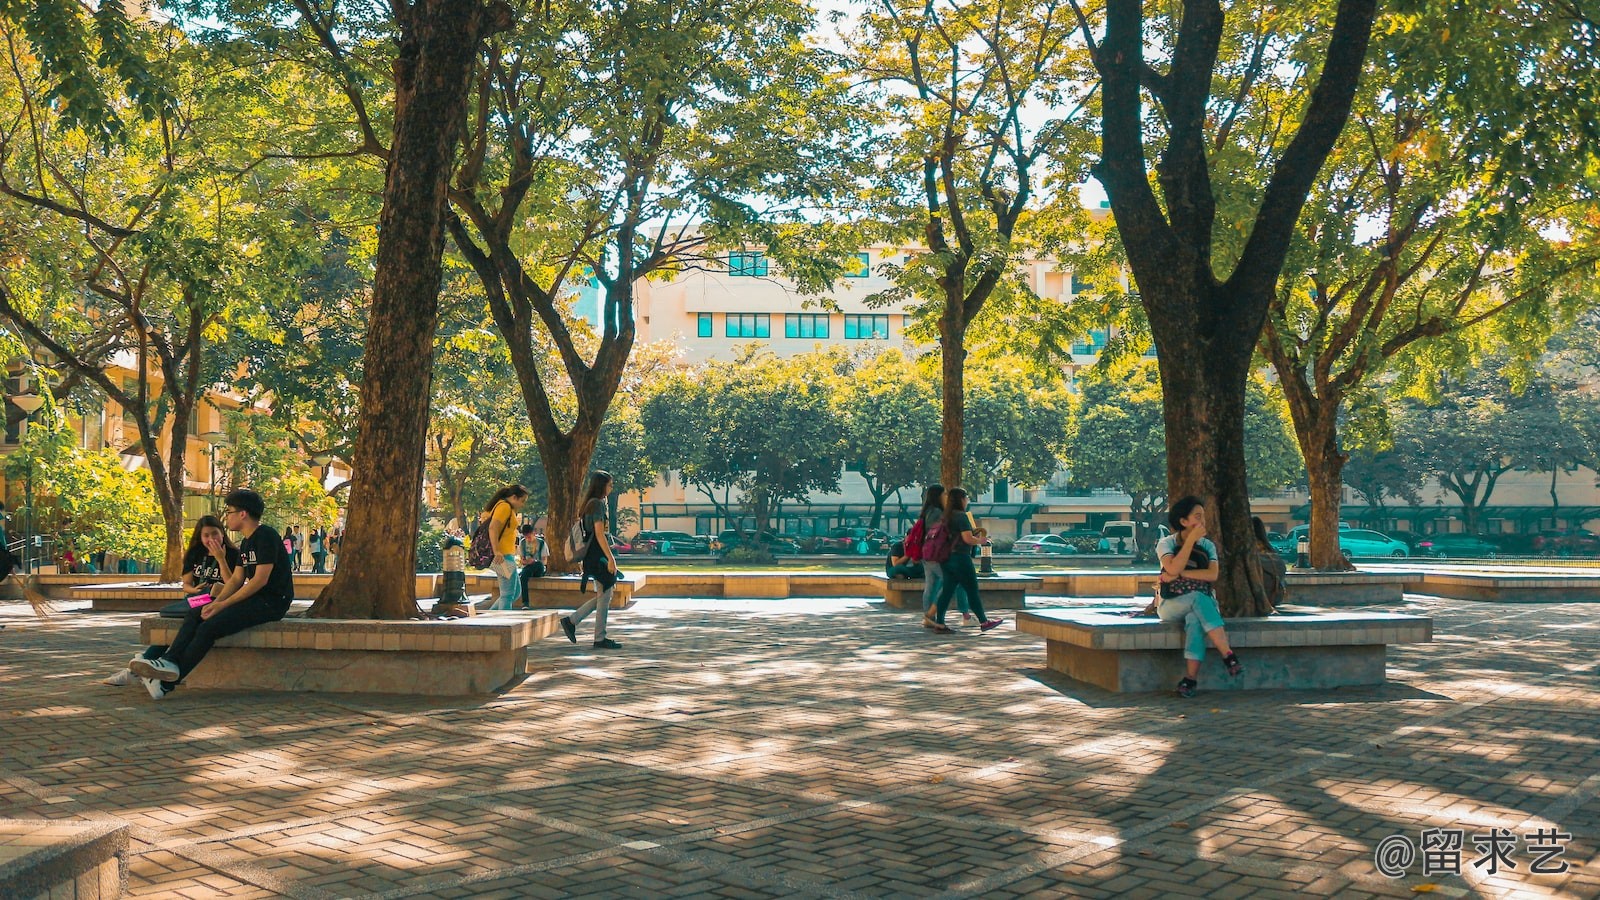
(819, 748)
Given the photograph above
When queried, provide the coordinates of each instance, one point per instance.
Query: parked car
(851, 539)
(772, 543)
(1441, 546)
(1119, 535)
(673, 543)
(1043, 544)
(1572, 542)
(1355, 542)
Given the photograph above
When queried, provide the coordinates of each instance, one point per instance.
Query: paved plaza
(827, 748)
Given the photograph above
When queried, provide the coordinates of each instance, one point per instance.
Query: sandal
(1231, 662)
(940, 629)
(928, 622)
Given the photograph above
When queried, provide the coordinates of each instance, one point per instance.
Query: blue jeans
(1199, 614)
(505, 568)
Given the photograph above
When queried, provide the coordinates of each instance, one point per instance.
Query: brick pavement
(818, 749)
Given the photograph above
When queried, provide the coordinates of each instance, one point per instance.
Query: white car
(1043, 544)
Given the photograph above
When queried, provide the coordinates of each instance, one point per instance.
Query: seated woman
(207, 565)
(899, 565)
(1189, 569)
(1273, 568)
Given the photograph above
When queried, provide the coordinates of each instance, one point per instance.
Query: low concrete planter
(478, 655)
(776, 585)
(1004, 591)
(1096, 583)
(56, 858)
(1494, 587)
(1306, 648)
(123, 595)
(1347, 588)
(558, 591)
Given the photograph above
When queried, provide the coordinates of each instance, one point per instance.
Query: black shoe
(570, 629)
(607, 644)
(1234, 667)
(1186, 687)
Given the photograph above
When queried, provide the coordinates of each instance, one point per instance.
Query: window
(1095, 343)
(1079, 285)
(861, 268)
(805, 325)
(703, 325)
(864, 328)
(747, 325)
(749, 263)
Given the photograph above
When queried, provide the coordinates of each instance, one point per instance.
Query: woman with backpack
(499, 523)
(598, 562)
(932, 572)
(953, 540)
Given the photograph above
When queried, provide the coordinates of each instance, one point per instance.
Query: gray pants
(600, 605)
(933, 573)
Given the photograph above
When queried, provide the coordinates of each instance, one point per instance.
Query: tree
(1206, 294)
(1120, 442)
(1018, 422)
(94, 503)
(262, 456)
(143, 252)
(621, 141)
(1430, 225)
(1476, 430)
(437, 53)
(681, 434)
(968, 164)
(889, 412)
(1377, 474)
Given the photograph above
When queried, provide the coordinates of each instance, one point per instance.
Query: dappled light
(778, 747)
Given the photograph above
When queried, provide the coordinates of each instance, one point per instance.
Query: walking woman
(957, 570)
(1189, 568)
(500, 517)
(933, 571)
(598, 563)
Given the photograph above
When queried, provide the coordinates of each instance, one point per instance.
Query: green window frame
(703, 325)
(866, 328)
(747, 264)
(747, 325)
(805, 325)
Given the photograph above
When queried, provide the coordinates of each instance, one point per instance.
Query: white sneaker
(159, 669)
(157, 690)
(125, 677)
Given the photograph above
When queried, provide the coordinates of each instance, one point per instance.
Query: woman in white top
(1189, 569)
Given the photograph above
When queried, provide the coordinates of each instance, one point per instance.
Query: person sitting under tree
(1189, 570)
(258, 591)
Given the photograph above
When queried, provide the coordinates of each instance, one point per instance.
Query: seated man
(899, 565)
(531, 556)
(258, 591)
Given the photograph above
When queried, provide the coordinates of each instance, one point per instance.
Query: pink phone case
(199, 600)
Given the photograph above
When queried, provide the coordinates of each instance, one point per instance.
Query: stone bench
(1002, 591)
(146, 596)
(1302, 648)
(757, 585)
(1346, 588)
(1096, 583)
(63, 858)
(1496, 587)
(561, 591)
(477, 655)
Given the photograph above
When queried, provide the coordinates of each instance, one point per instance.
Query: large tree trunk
(1316, 430)
(1204, 367)
(172, 525)
(566, 465)
(953, 387)
(438, 48)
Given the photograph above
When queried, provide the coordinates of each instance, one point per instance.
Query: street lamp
(215, 439)
(29, 403)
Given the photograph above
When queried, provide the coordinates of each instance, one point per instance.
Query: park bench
(561, 591)
(63, 858)
(1507, 586)
(1006, 591)
(477, 655)
(1301, 648)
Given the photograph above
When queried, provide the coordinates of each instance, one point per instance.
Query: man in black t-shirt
(259, 591)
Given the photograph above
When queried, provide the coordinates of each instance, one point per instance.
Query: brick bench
(477, 655)
(63, 858)
(1306, 648)
(1494, 587)
(1096, 583)
(561, 591)
(1346, 588)
(997, 592)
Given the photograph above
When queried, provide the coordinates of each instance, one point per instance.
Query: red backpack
(914, 541)
(937, 545)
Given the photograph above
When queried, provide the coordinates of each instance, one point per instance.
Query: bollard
(1302, 552)
(986, 559)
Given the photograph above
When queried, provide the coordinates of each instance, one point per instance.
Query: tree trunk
(1316, 430)
(172, 524)
(566, 463)
(1204, 368)
(953, 386)
(438, 49)
(1555, 498)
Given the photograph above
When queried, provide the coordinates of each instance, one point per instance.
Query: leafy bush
(747, 554)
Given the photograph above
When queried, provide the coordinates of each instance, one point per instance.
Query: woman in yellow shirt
(500, 517)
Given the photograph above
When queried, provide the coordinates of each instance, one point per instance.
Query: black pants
(959, 573)
(529, 572)
(195, 638)
(904, 570)
(318, 558)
